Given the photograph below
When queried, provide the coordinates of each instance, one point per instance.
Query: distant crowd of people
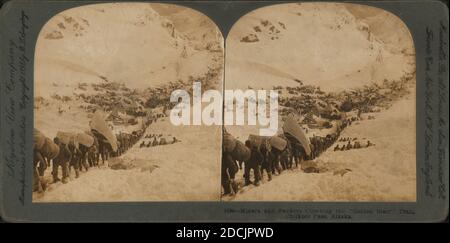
(352, 143)
(154, 140)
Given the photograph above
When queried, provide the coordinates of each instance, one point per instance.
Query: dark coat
(64, 154)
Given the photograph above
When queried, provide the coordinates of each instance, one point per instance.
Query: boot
(232, 192)
(226, 188)
(43, 183)
(234, 186)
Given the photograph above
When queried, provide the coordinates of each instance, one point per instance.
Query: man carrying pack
(63, 159)
(229, 170)
(253, 164)
(265, 164)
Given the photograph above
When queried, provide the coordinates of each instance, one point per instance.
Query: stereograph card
(224, 111)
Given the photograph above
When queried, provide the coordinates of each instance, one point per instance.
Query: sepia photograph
(339, 125)
(345, 76)
(103, 79)
(194, 112)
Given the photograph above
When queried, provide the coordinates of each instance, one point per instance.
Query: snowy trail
(192, 173)
(385, 172)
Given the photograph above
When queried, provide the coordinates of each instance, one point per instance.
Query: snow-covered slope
(108, 57)
(330, 45)
(122, 42)
(198, 29)
(384, 172)
(185, 171)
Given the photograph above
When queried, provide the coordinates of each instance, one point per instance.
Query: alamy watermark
(226, 109)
